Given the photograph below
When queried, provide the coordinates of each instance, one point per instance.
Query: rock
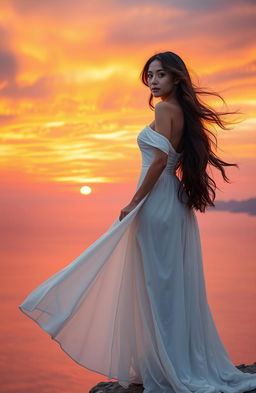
(251, 368)
(114, 387)
(248, 368)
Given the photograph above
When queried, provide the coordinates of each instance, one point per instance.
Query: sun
(85, 190)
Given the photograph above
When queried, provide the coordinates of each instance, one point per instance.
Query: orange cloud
(71, 102)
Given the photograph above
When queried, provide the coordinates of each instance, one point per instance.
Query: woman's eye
(161, 74)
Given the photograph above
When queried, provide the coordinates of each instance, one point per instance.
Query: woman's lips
(155, 90)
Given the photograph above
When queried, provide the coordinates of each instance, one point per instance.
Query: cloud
(51, 5)
(244, 71)
(8, 66)
(200, 5)
(59, 10)
(244, 206)
(47, 6)
(205, 31)
(5, 119)
(41, 88)
(197, 5)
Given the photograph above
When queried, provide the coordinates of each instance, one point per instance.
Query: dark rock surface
(114, 387)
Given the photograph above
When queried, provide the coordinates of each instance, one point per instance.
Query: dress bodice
(148, 138)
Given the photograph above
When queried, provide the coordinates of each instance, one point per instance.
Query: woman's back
(177, 126)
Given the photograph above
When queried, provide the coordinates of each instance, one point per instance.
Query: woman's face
(159, 81)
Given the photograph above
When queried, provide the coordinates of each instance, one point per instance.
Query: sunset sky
(71, 106)
(71, 102)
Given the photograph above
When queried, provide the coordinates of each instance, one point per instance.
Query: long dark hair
(198, 185)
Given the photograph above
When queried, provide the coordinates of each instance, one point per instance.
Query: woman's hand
(127, 209)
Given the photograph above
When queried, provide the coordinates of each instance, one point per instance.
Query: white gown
(133, 306)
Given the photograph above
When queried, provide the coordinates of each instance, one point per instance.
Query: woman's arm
(163, 122)
(150, 179)
(162, 125)
(153, 173)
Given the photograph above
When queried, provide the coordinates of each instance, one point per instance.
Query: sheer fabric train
(133, 306)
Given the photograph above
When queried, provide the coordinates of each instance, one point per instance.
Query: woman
(133, 305)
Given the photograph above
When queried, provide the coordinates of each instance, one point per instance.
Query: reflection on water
(31, 362)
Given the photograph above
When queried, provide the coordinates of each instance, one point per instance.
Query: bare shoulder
(167, 107)
(166, 110)
(164, 106)
(163, 119)
(169, 121)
